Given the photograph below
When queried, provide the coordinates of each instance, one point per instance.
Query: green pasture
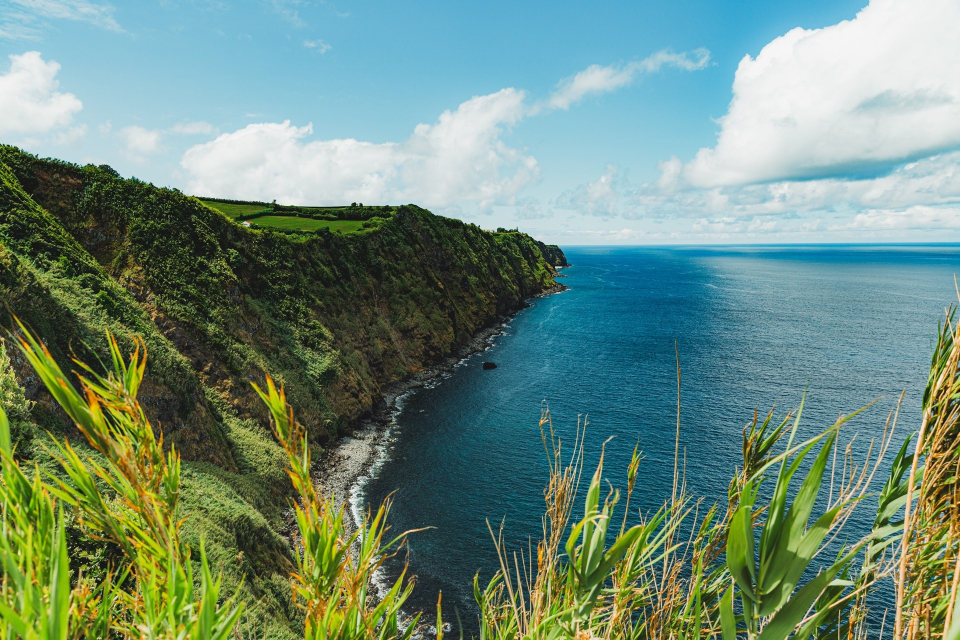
(307, 224)
(234, 210)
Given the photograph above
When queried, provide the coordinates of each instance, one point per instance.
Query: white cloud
(193, 128)
(730, 225)
(919, 217)
(531, 209)
(138, 141)
(459, 158)
(597, 79)
(669, 174)
(861, 95)
(288, 11)
(29, 100)
(73, 135)
(598, 198)
(30, 16)
(933, 181)
(16, 25)
(318, 45)
(917, 196)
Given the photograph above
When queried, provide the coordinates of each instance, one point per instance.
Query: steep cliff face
(553, 254)
(334, 317)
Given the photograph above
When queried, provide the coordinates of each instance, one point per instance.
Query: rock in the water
(489, 365)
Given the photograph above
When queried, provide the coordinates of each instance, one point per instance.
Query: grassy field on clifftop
(308, 224)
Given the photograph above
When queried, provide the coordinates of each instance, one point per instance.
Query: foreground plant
(335, 567)
(747, 572)
(128, 496)
(928, 575)
(768, 565)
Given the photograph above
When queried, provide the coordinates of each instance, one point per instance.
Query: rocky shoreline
(353, 456)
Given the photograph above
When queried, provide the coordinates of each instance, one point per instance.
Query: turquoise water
(754, 327)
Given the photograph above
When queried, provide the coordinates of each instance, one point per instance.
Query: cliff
(335, 317)
(553, 254)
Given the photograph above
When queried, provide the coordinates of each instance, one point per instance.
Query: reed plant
(928, 574)
(773, 562)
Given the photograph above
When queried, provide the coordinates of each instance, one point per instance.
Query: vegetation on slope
(334, 317)
(553, 254)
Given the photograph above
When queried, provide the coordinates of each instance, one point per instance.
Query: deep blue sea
(754, 326)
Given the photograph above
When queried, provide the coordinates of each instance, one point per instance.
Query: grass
(308, 224)
(234, 210)
(128, 495)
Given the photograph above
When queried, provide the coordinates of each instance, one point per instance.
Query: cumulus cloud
(459, 158)
(73, 135)
(916, 196)
(139, 142)
(933, 181)
(597, 79)
(919, 217)
(29, 100)
(531, 209)
(319, 46)
(598, 198)
(193, 128)
(859, 96)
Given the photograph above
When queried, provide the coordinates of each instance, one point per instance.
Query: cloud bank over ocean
(853, 127)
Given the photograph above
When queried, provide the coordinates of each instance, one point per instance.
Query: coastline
(342, 471)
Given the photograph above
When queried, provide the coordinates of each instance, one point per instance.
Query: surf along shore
(353, 458)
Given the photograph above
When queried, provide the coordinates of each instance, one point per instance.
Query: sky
(643, 122)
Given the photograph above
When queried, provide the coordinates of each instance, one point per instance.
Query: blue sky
(626, 123)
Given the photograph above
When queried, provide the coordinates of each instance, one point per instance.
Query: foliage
(130, 500)
(334, 567)
(928, 576)
(749, 569)
(747, 572)
(94, 537)
(335, 317)
(355, 212)
(13, 402)
(129, 496)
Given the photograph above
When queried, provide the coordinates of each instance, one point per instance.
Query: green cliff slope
(334, 317)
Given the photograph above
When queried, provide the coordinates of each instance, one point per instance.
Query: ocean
(754, 328)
